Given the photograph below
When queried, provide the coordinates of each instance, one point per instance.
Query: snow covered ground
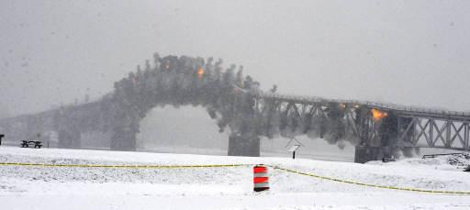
(25, 187)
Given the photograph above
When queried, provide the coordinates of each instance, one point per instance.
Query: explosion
(378, 115)
(200, 73)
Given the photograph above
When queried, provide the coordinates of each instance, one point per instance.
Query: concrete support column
(69, 139)
(244, 145)
(122, 140)
(365, 153)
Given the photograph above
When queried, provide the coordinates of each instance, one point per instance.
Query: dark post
(1, 137)
(293, 154)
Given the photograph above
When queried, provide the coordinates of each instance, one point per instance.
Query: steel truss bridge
(413, 127)
(237, 103)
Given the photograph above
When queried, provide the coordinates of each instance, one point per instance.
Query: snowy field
(26, 187)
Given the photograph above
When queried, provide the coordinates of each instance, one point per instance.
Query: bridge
(236, 103)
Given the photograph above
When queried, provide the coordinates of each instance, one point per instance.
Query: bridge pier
(244, 145)
(364, 153)
(69, 139)
(123, 141)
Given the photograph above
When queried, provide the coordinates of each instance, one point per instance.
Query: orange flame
(200, 73)
(378, 115)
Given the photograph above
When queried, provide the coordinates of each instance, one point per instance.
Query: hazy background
(406, 52)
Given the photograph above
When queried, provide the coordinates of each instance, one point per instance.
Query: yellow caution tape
(372, 185)
(123, 166)
(238, 165)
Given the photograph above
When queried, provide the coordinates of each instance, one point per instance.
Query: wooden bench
(26, 143)
(435, 155)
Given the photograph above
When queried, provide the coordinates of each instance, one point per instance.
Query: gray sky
(405, 52)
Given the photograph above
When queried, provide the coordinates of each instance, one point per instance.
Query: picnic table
(26, 143)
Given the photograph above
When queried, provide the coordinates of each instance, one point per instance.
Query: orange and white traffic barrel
(260, 178)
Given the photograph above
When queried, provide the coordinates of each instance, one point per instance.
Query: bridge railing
(408, 110)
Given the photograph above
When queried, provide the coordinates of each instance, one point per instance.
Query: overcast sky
(405, 52)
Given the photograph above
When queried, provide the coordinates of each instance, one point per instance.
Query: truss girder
(435, 133)
(418, 130)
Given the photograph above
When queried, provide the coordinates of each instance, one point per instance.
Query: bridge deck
(399, 109)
